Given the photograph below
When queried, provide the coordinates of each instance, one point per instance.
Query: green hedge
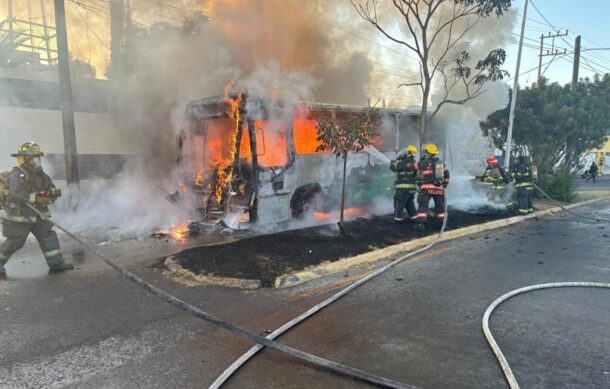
(561, 185)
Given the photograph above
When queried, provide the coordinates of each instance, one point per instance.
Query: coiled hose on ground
(508, 373)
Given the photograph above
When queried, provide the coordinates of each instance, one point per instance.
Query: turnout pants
(497, 194)
(404, 199)
(423, 202)
(524, 197)
(17, 233)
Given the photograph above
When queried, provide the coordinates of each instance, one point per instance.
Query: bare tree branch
(426, 24)
(365, 13)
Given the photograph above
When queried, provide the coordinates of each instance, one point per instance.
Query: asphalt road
(601, 184)
(419, 323)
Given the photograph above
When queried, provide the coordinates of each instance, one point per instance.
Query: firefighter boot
(61, 267)
(3, 260)
(420, 226)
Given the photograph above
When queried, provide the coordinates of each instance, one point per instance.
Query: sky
(585, 17)
(588, 18)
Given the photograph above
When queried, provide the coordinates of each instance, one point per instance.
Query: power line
(536, 67)
(89, 27)
(148, 12)
(590, 67)
(374, 43)
(349, 55)
(186, 11)
(103, 12)
(389, 93)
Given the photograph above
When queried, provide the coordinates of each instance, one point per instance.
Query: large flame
(305, 133)
(225, 169)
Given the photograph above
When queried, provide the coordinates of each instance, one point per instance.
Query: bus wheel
(305, 203)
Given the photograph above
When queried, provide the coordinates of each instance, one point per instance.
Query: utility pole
(10, 17)
(549, 53)
(576, 63)
(513, 101)
(65, 89)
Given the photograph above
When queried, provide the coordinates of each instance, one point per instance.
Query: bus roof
(216, 107)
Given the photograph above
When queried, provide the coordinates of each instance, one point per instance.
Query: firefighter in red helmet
(497, 177)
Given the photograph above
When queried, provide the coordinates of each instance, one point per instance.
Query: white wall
(95, 133)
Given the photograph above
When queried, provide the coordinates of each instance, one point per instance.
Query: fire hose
(508, 373)
(505, 367)
(567, 210)
(208, 317)
(317, 308)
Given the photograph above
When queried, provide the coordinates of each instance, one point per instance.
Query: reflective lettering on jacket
(428, 182)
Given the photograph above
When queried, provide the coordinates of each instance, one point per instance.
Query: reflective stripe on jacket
(23, 186)
(405, 173)
(522, 175)
(428, 180)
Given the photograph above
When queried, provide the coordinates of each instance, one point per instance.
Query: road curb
(372, 257)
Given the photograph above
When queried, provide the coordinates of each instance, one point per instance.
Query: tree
(554, 124)
(435, 29)
(341, 137)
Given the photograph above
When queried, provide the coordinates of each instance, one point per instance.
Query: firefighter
(405, 187)
(433, 177)
(498, 178)
(522, 173)
(29, 184)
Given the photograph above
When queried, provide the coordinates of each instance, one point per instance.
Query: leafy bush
(560, 185)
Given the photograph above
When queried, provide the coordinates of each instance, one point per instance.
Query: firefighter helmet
(411, 149)
(431, 149)
(29, 149)
(492, 161)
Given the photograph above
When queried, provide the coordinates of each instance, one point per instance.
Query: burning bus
(243, 161)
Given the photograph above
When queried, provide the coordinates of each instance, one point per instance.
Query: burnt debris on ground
(266, 257)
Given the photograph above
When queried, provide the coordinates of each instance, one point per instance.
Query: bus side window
(270, 144)
(306, 136)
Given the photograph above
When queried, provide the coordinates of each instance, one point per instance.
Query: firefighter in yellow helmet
(28, 184)
(405, 186)
(433, 178)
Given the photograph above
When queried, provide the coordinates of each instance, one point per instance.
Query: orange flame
(272, 147)
(180, 233)
(349, 213)
(305, 133)
(225, 169)
(199, 177)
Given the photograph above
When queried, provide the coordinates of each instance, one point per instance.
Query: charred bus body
(248, 161)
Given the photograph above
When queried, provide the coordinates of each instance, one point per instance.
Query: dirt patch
(266, 257)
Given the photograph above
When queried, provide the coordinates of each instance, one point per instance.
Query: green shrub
(560, 185)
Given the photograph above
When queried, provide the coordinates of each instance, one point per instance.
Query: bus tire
(306, 200)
